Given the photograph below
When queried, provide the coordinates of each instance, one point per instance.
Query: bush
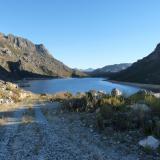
(152, 126)
(118, 118)
(112, 100)
(154, 103)
(147, 98)
(75, 104)
(87, 102)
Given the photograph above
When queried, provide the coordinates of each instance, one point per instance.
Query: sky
(86, 33)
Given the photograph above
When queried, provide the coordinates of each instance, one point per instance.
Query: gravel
(53, 135)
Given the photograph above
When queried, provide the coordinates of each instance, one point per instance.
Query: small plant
(158, 149)
(148, 150)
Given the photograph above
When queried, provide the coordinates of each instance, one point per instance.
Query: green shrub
(148, 99)
(118, 118)
(113, 101)
(154, 103)
(139, 97)
(148, 150)
(75, 104)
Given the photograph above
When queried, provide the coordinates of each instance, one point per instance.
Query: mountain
(113, 68)
(146, 70)
(104, 71)
(20, 58)
(86, 70)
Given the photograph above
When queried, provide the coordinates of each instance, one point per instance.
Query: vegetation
(139, 111)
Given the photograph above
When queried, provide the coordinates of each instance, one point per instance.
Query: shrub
(75, 104)
(147, 98)
(112, 100)
(154, 103)
(118, 118)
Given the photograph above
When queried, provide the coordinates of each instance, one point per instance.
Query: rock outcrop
(20, 58)
(10, 93)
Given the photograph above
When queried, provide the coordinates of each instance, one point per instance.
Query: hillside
(20, 58)
(104, 71)
(146, 70)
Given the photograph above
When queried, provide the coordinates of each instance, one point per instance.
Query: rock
(116, 92)
(6, 101)
(140, 107)
(5, 51)
(23, 95)
(157, 95)
(145, 92)
(10, 93)
(150, 142)
(93, 93)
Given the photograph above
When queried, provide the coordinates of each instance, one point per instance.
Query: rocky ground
(10, 93)
(43, 132)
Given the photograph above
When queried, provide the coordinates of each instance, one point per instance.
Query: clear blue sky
(86, 33)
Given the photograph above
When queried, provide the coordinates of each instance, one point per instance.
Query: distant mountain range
(105, 71)
(146, 70)
(113, 68)
(85, 70)
(20, 58)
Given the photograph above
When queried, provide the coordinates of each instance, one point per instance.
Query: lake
(75, 85)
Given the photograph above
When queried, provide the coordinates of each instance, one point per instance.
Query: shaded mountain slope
(146, 70)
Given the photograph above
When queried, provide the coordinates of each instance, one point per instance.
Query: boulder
(150, 142)
(6, 101)
(145, 92)
(140, 107)
(157, 95)
(116, 92)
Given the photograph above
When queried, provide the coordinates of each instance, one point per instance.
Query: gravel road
(42, 132)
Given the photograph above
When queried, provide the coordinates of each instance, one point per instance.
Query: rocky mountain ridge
(20, 58)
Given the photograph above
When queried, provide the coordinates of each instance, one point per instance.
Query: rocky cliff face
(20, 58)
(146, 70)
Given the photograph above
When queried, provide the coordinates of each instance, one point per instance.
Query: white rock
(150, 141)
(116, 92)
(157, 95)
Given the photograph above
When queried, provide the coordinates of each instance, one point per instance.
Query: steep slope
(146, 70)
(110, 69)
(20, 58)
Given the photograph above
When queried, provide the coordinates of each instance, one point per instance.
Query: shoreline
(151, 87)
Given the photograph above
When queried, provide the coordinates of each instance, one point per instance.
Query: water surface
(75, 85)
